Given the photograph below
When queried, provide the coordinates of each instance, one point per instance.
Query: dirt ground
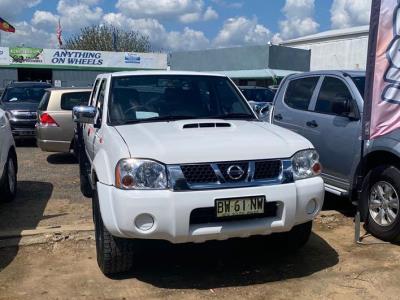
(60, 261)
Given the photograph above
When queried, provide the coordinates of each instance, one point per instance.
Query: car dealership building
(64, 67)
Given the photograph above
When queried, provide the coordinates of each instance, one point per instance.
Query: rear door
(293, 103)
(333, 126)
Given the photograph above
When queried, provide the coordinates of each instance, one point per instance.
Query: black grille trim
(203, 173)
(208, 215)
(267, 169)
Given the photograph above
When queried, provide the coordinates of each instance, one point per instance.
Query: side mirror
(84, 114)
(262, 110)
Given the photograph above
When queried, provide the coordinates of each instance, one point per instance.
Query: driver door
(334, 126)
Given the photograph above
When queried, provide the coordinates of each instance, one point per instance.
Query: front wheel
(8, 186)
(380, 202)
(114, 255)
(296, 238)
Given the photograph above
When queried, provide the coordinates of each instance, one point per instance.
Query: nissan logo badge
(235, 172)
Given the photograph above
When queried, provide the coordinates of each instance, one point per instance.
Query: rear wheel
(114, 255)
(8, 186)
(380, 202)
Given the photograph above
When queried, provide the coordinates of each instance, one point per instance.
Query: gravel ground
(62, 265)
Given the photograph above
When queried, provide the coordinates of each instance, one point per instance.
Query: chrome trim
(177, 181)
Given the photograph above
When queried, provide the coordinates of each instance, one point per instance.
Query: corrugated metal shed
(335, 49)
(243, 62)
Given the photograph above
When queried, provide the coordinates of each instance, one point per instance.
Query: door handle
(312, 124)
(278, 117)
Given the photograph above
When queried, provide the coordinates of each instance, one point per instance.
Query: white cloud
(159, 8)
(160, 38)
(190, 18)
(30, 36)
(299, 19)
(186, 11)
(349, 13)
(77, 14)
(229, 4)
(210, 14)
(10, 9)
(189, 39)
(44, 19)
(242, 31)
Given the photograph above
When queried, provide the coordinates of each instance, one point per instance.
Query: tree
(109, 38)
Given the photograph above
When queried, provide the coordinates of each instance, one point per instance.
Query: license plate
(239, 206)
(26, 132)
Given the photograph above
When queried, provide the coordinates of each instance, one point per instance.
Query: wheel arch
(372, 160)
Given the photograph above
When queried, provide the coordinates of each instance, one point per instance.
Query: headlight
(306, 164)
(140, 174)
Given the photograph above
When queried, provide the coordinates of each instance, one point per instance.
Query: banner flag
(5, 26)
(59, 33)
(381, 113)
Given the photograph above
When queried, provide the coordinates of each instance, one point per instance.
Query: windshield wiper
(234, 116)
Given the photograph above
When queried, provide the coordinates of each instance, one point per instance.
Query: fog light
(144, 222)
(311, 206)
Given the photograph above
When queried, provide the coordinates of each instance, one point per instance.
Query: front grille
(267, 169)
(225, 166)
(199, 173)
(232, 172)
(208, 215)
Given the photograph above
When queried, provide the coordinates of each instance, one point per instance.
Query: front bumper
(171, 211)
(23, 129)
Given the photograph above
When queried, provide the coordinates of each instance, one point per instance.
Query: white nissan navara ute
(182, 157)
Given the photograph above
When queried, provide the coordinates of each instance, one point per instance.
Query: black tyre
(86, 188)
(295, 238)
(8, 182)
(380, 202)
(114, 255)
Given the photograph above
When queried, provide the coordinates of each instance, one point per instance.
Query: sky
(174, 25)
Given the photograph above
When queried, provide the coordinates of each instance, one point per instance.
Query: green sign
(30, 55)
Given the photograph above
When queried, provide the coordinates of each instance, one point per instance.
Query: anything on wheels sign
(82, 58)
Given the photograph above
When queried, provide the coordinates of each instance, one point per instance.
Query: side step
(336, 191)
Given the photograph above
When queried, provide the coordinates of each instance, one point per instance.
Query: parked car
(326, 108)
(55, 128)
(180, 156)
(257, 93)
(20, 101)
(8, 161)
(259, 98)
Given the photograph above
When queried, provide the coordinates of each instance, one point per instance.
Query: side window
(69, 100)
(100, 97)
(100, 101)
(299, 92)
(94, 92)
(45, 101)
(334, 98)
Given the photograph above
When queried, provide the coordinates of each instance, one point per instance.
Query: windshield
(24, 94)
(153, 98)
(360, 84)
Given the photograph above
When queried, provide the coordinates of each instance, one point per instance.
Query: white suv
(182, 157)
(8, 161)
